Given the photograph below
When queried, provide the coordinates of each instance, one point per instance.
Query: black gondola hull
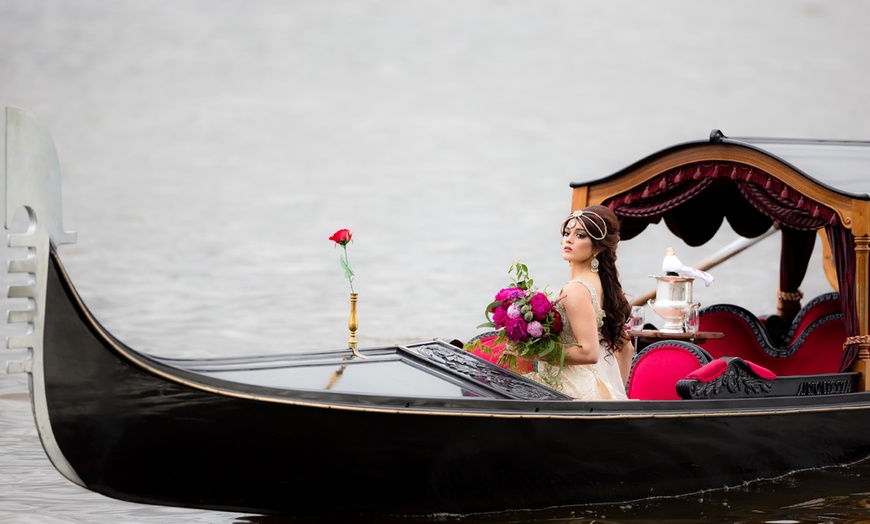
(139, 430)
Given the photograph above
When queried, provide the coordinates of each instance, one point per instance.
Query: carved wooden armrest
(732, 377)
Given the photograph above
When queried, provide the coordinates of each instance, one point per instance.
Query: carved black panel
(738, 381)
(460, 362)
(826, 385)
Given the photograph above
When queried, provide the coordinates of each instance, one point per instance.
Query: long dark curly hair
(614, 302)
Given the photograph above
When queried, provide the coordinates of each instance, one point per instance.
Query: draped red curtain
(694, 199)
(794, 257)
(842, 243)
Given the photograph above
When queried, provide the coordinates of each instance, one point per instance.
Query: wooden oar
(715, 259)
(335, 374)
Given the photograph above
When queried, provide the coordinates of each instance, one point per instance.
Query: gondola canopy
(755, 184)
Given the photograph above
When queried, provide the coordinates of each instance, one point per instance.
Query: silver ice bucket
(673, 302)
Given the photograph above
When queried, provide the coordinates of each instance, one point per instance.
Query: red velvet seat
(489, 351)
(815, 309)
(817, 348)
(657, 368)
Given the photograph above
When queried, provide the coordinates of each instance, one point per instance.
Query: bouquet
(528, 325)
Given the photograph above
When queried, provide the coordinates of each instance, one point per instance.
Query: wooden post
(862, 271)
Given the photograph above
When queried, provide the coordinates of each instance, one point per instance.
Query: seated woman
(594, 310)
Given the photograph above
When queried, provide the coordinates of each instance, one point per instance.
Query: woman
(594, 310)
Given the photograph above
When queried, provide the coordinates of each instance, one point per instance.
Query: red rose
(556, 328)
(342, 237)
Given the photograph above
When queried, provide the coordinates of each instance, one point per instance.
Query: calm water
(210, 148)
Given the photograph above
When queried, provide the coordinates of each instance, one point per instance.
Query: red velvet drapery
(694, 199)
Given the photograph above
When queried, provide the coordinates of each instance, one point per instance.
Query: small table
(653, 334)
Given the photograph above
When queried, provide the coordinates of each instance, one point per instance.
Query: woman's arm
(577, 302)
(624, 356)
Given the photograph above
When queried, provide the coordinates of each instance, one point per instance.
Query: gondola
(431, 429)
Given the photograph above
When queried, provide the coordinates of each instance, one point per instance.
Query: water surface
(210, 148)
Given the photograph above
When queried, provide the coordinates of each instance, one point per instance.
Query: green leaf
(550, 347)
(348, 272)
(487, 312)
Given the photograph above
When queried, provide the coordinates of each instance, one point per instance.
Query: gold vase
(352, 325)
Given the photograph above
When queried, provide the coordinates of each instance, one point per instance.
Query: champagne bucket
(673, 302)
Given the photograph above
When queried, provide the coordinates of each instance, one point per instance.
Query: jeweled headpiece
(586, 217)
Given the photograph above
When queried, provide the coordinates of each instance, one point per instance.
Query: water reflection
(838, 494)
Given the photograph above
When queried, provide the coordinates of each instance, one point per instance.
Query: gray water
(210, 148)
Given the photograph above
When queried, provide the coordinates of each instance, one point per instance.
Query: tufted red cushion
(656, 371)
(817, 349)
(709, 372)
(718, 366)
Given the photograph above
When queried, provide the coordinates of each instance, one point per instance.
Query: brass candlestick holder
(352, 325)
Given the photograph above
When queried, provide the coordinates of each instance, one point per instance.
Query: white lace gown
(599, 381)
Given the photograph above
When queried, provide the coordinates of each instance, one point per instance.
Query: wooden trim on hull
(138, 430)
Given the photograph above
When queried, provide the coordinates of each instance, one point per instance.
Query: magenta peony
(510, 294)
(499, 317)
(516, 330)
(541, 306)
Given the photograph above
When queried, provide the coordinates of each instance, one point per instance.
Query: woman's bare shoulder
(574, 292)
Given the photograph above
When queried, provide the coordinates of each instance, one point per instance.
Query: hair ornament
(586, 218)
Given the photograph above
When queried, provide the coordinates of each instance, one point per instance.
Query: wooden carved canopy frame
(806, 203)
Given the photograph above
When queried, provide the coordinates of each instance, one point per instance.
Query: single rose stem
(347, 263)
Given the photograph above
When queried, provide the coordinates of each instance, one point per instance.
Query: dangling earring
(594, 263)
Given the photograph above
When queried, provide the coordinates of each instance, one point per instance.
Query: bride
(594, 310)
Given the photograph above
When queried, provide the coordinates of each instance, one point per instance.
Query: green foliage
(521, 276)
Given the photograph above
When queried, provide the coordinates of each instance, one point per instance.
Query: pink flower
(535, 329)
(541, 306)
(515, 329)
(513, 311)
